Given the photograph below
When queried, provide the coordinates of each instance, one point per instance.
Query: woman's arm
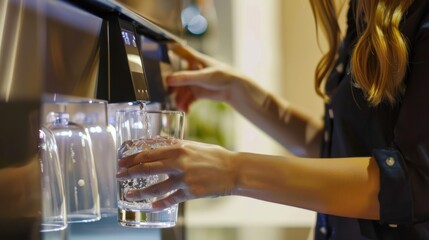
(298, 132)
(341, 186)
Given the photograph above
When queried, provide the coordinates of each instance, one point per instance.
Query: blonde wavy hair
(379, 58)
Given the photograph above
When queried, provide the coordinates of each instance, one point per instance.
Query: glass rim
(125, 111)
(66, 99)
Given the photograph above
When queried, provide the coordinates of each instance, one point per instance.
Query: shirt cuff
(395, 196)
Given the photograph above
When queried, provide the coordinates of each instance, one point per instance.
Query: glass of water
(137, 131)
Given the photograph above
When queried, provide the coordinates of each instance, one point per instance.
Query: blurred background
(274, 42)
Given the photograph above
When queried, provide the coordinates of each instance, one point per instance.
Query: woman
(372, 178)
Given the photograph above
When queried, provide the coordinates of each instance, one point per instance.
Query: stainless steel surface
(74, 56)
(72, 50)
(164, 13)
(22, 26)
(154, 26)
(21, 49)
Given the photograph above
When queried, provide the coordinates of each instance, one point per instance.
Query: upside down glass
(92, 114)
(54, 217)
(78, 168)
(141, 130)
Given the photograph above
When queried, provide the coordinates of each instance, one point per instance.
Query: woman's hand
(195, 170)
(205, 78)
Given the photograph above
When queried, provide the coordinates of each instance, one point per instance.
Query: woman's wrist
(234, 165)
(245, 172)
(244, 94)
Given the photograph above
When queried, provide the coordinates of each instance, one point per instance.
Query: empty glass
(92, 115)
(78, 168)
(103, 137)
(54, 216)
(140, 131)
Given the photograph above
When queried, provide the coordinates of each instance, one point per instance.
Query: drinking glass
(103, 137)
(113, 108)
(54, 216)
(92, 114)
(78, 168)
(138, 131)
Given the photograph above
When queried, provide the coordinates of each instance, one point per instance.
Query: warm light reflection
(11, 59)
(20, 199)
(3, 7)
(134, 59)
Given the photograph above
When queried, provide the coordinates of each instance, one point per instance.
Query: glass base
(148, 219)
(108, 212)
(52, 227)
(82, 218)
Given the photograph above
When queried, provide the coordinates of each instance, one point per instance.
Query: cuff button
(390, 161)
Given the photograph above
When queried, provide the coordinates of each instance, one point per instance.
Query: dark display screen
(135, 64)
(150, 49)
(129, 38)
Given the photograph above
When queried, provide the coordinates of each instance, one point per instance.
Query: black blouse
(396, 136)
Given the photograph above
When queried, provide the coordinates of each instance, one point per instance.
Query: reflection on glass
(54, 216)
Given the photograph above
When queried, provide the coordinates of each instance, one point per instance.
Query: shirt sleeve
(404, 170)
(395, 194)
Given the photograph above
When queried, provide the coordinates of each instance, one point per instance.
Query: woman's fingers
(170, 185)
(142, 170)
(194, 170)
(184, 98)
(187, 53)
(156, 190)
(164, 153)
(177, 197)
(201, 78)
